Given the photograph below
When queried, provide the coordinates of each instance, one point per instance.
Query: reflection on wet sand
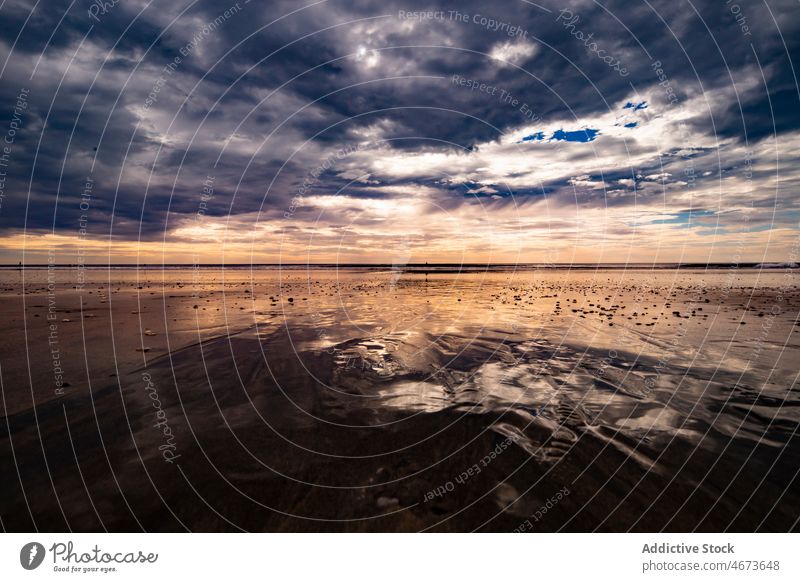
(341, 399)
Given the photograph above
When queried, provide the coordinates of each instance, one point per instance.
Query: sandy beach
(379, 400)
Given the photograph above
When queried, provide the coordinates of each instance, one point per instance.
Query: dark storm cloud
(341, 71)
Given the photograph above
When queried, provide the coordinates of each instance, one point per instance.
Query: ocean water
(402, 399)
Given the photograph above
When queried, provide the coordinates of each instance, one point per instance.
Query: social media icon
(31, 555)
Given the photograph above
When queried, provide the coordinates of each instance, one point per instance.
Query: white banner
(400, 557)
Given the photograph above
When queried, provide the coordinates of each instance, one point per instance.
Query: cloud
(513, 52)
(348, 114)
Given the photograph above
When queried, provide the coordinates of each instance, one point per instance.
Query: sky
(150, 131)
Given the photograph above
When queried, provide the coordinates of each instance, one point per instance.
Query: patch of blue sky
(761, 228)
(684, 218)
(534, 137)
(582, 135)
(636, 106)
(723, 230)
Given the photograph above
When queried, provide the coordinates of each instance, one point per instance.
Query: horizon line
(405, 265)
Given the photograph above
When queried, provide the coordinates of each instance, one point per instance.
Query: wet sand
(352, 400)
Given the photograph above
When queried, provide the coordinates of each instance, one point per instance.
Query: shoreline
(415, 267)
